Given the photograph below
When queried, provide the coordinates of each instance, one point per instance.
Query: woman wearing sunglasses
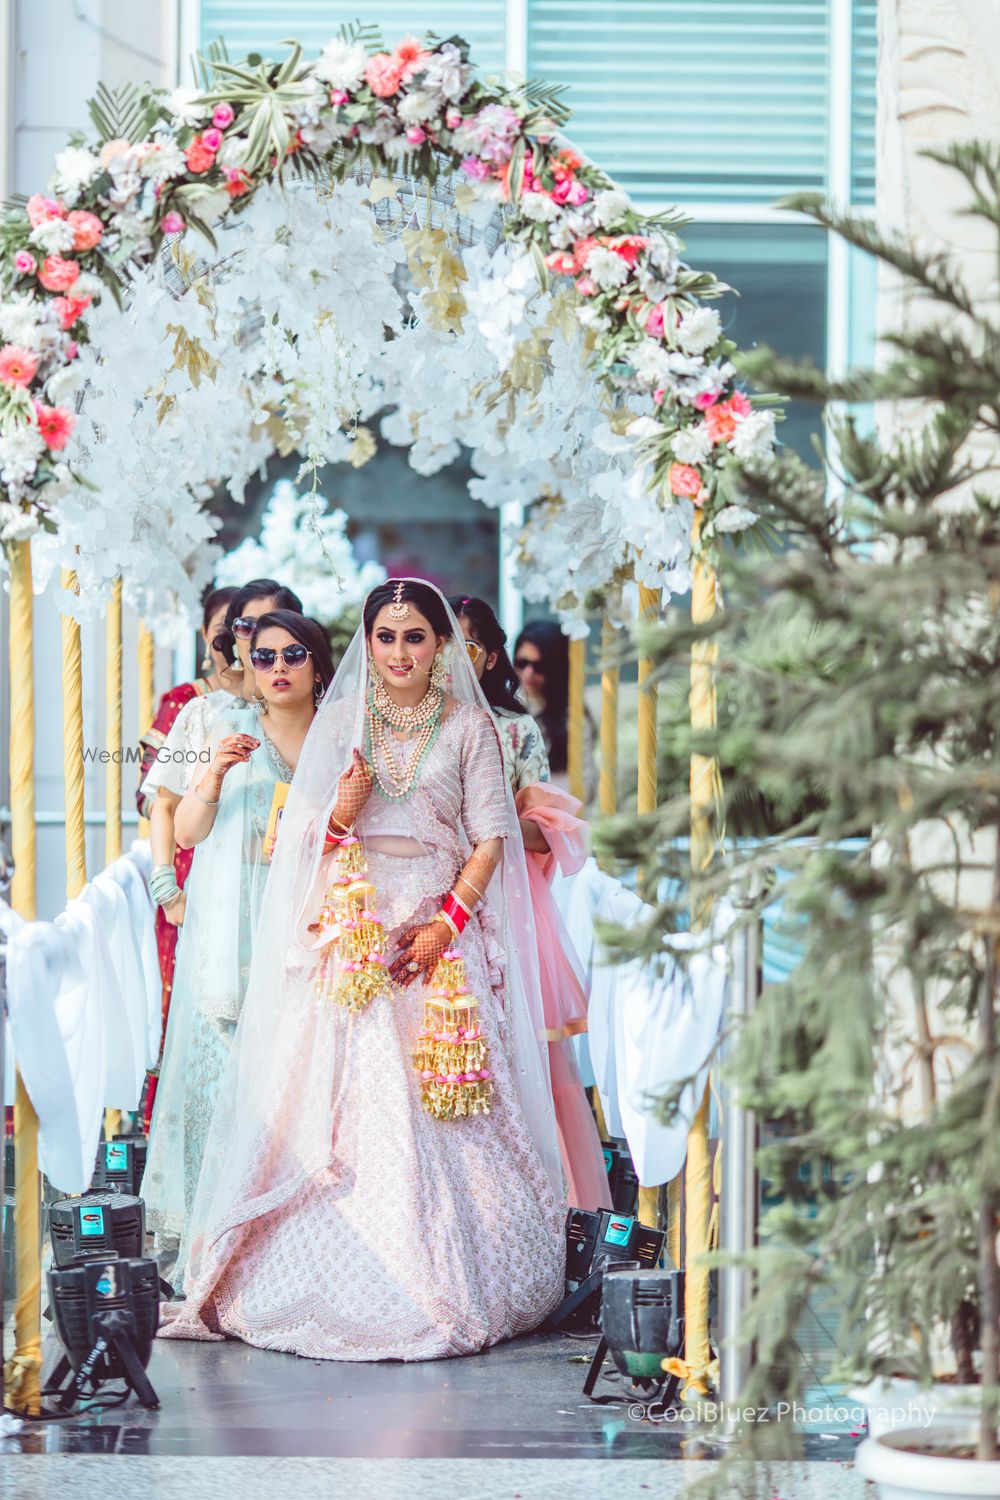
(212, 733)
(553, 839)
(218, 675)
(541, 661)
(355, 1202)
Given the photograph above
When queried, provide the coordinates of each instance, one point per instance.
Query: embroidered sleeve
(484, 792)
(178, 758)
(531, 761)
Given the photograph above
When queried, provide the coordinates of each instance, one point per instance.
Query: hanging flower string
(451, 1056)
(164, 162)
(351, 971)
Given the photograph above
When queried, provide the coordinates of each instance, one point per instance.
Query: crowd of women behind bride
(347, 867)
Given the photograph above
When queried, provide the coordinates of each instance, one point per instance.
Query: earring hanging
(318, 691)
(439, 673)
(373, 671)
(206, 663)
(259, 701)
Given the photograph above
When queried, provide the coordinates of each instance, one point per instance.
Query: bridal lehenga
(344, 1212)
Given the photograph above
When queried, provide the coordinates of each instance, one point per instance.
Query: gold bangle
(344, 827)
(449, 922)
(465, 879)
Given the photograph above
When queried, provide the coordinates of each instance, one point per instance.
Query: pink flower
(212, 139)
(173, 222)
(660, 395)
(69, 309)
(87, 229)
(654, 321)
(200, 157)
(740, 404)
(223, 115)
(17, 366)
(41, 209)
(57, 274)
(416, 135)
(685, 481)
(706, 399)
(721, 419)
(577, 194)
(55, 423)
(476, 169)
(628, 247)
(71, 348)
(383, 75)
(339, 97)
(562, 190)
(238, 182)
(586, 286)
(25, 263)
(562, 262)
(453, 119)
(410, 57)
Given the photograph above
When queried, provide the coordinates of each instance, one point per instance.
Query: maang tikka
(399, 609)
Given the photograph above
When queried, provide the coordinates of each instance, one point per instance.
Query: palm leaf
(125, 113)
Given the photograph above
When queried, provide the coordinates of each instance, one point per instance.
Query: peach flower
(55, 423)
(200, 158)
(685, 482)
(383, 75)
(69, 309)
(87, 229)
(720, 421)
(410, 57)
(57, 274)
(17, 366)
(40, 209)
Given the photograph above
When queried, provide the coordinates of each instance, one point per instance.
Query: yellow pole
(113, 728)
(609, 723)
(76, 845)
(574, 749)
(706, 802)
(145, 696)
(649, 605)
(22, 1375)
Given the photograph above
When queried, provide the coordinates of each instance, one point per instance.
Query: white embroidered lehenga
(346, 1222)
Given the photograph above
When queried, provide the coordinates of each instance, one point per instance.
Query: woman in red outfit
(221, 676)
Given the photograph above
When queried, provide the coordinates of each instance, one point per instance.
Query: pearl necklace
(423, 717)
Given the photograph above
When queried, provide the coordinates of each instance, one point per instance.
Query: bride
(382, 1174)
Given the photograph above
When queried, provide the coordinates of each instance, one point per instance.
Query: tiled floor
(236, 1421)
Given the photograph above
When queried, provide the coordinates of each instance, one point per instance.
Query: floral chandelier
(577, 359)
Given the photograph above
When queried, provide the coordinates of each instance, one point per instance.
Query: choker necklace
(384, 713)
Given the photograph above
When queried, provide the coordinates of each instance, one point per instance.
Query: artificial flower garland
(166, 162)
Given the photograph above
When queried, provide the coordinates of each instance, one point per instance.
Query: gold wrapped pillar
(22, 1374)
(649, 606)
(113, 727)
(609, 722)
(146, 665)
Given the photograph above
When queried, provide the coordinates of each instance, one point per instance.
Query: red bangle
(455, 910)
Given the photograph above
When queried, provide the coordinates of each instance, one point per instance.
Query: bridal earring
(439, 674)
(373, 671)
(259, 700)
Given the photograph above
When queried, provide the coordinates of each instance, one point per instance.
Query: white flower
(644, 427)
(607, 268)
(341, 64)
(88, 284)
(592, 317)
(657, 269)
(52, 236)
(20, 450)
(446, 75)
(416, 108)
(16, 525)
(611, 205)
(735, 517)
(649, 361)
(232, 152)
(162, 158)
(692, 445)
(19, 321)
(754, 436)
(539, 207)
(698, 330)
(64, 384)
(570, 226)
(185, 106)
(381, 129)
(74, 168)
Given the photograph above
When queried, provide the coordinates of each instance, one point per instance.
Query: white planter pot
(893, 1404)
(900, 1475)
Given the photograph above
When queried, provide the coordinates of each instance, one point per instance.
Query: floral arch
(273, 259)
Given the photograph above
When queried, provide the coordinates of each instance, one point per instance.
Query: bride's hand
(353, 789)
(422, 947)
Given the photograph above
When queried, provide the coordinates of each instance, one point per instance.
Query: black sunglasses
(244, 628)
(264, 658)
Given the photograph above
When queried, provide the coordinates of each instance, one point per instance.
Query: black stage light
(623, 1182)
(642, 1324)
(95, 1227)
(106, 1313)
(120, 1165)
(596, 1239)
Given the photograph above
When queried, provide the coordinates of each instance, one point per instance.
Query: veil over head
(283, 1035)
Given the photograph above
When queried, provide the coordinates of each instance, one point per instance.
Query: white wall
(52, 55)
